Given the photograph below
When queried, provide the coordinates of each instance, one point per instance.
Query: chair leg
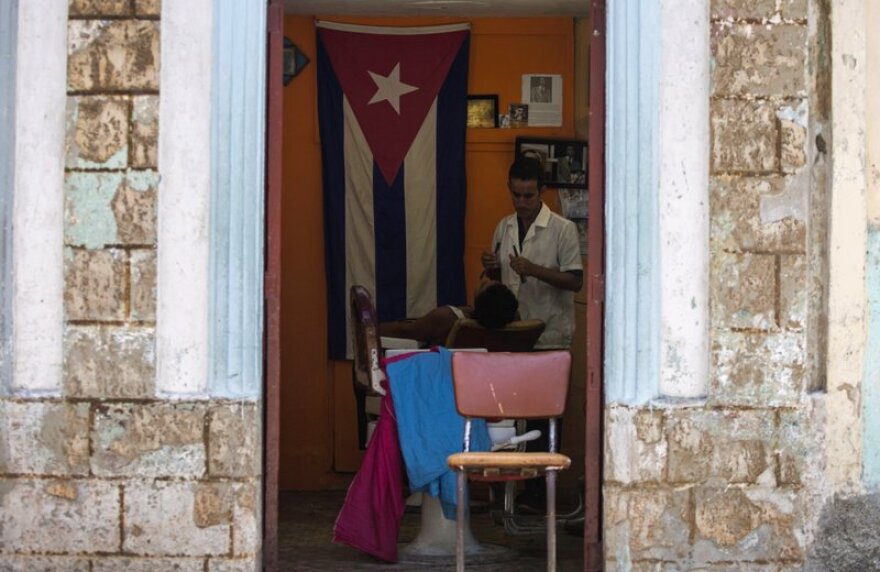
(459, 521)
(551, 521)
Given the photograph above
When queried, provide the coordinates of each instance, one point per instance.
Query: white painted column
(8, 49)
(871, 389)
(237, 209)
(38, 237)
(632, 293)
(847, 245)
(184, 199)
(684, 198)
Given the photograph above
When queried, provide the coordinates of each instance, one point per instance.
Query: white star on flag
(390, 88)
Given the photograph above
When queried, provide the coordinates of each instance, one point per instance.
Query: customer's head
(495, 306)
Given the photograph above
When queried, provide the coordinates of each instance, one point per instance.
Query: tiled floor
(305, 529)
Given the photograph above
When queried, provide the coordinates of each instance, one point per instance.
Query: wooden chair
(517, 336)
(510, 385)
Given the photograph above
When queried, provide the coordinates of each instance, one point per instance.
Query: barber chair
(514, 385)
(436, 539)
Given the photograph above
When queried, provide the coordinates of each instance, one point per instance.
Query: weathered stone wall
(727, 481)
(108, 476)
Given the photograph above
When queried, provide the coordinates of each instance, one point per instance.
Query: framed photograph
(519, 114)
(564, 160)
(482, 111)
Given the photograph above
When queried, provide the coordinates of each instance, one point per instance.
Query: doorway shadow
(305, 529)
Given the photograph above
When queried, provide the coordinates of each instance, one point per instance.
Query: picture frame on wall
(482, 110)
(564, 160)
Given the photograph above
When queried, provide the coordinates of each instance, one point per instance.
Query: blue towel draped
(429, 427)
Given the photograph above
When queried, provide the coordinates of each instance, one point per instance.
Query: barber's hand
(521, 265)
(490, 261)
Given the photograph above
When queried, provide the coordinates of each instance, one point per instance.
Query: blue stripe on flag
(389, 214)
(451, 181)
(333, 159)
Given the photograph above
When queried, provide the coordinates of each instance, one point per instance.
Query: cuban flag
(392, 106)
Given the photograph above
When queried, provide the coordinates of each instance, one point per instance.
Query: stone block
(794, 9)
(763, 10)
(112, 55)
(742, 9)
(792, 145)
(749, 213)
(247, 519)
(799, 456)
(97, 132)
(238, 565)
(743, 290)
(88, 217)
(793, 291)
(134, 208)
(115, 564)
(149, 509)
(22, 563)
(100, 7)
(149, 440)
(745, 136)
(59, 516)
(104, 208)
(647, 524)
(109, 362)
(632, 453)
(613, 565)
(743, 524)
(737, 567)
(690, 450)
(144, 132)
(234, 443)
(755, 369)
(726, 446)
(148, 7)
(143, 285)
(95, 284)
(44, 438)
(213, 504)
(759, 60)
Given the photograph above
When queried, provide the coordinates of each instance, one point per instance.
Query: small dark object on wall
(294, 60)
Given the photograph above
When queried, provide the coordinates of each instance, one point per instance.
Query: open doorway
(311, 437)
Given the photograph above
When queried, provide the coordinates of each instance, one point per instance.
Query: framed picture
(482, 111)
(564, 160)
(519, 114)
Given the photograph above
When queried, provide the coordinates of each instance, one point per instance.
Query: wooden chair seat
(510, 460)
(509, 466)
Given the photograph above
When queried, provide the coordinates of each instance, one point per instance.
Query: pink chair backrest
(511, 385)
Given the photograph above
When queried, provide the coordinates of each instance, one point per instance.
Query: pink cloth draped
(370, 516)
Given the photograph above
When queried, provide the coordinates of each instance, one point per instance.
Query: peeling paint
(89, 219)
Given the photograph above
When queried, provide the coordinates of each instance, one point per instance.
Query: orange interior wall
(318, 429)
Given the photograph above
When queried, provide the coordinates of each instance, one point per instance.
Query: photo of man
(542, 90)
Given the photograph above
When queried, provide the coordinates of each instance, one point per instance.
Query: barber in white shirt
(537, 255)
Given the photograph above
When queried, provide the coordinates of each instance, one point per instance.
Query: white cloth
(457, 311)
(552, 242)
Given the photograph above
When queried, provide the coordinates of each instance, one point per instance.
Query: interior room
(319, 448)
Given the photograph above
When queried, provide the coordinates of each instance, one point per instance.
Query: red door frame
(593, 554)
(272, 282)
